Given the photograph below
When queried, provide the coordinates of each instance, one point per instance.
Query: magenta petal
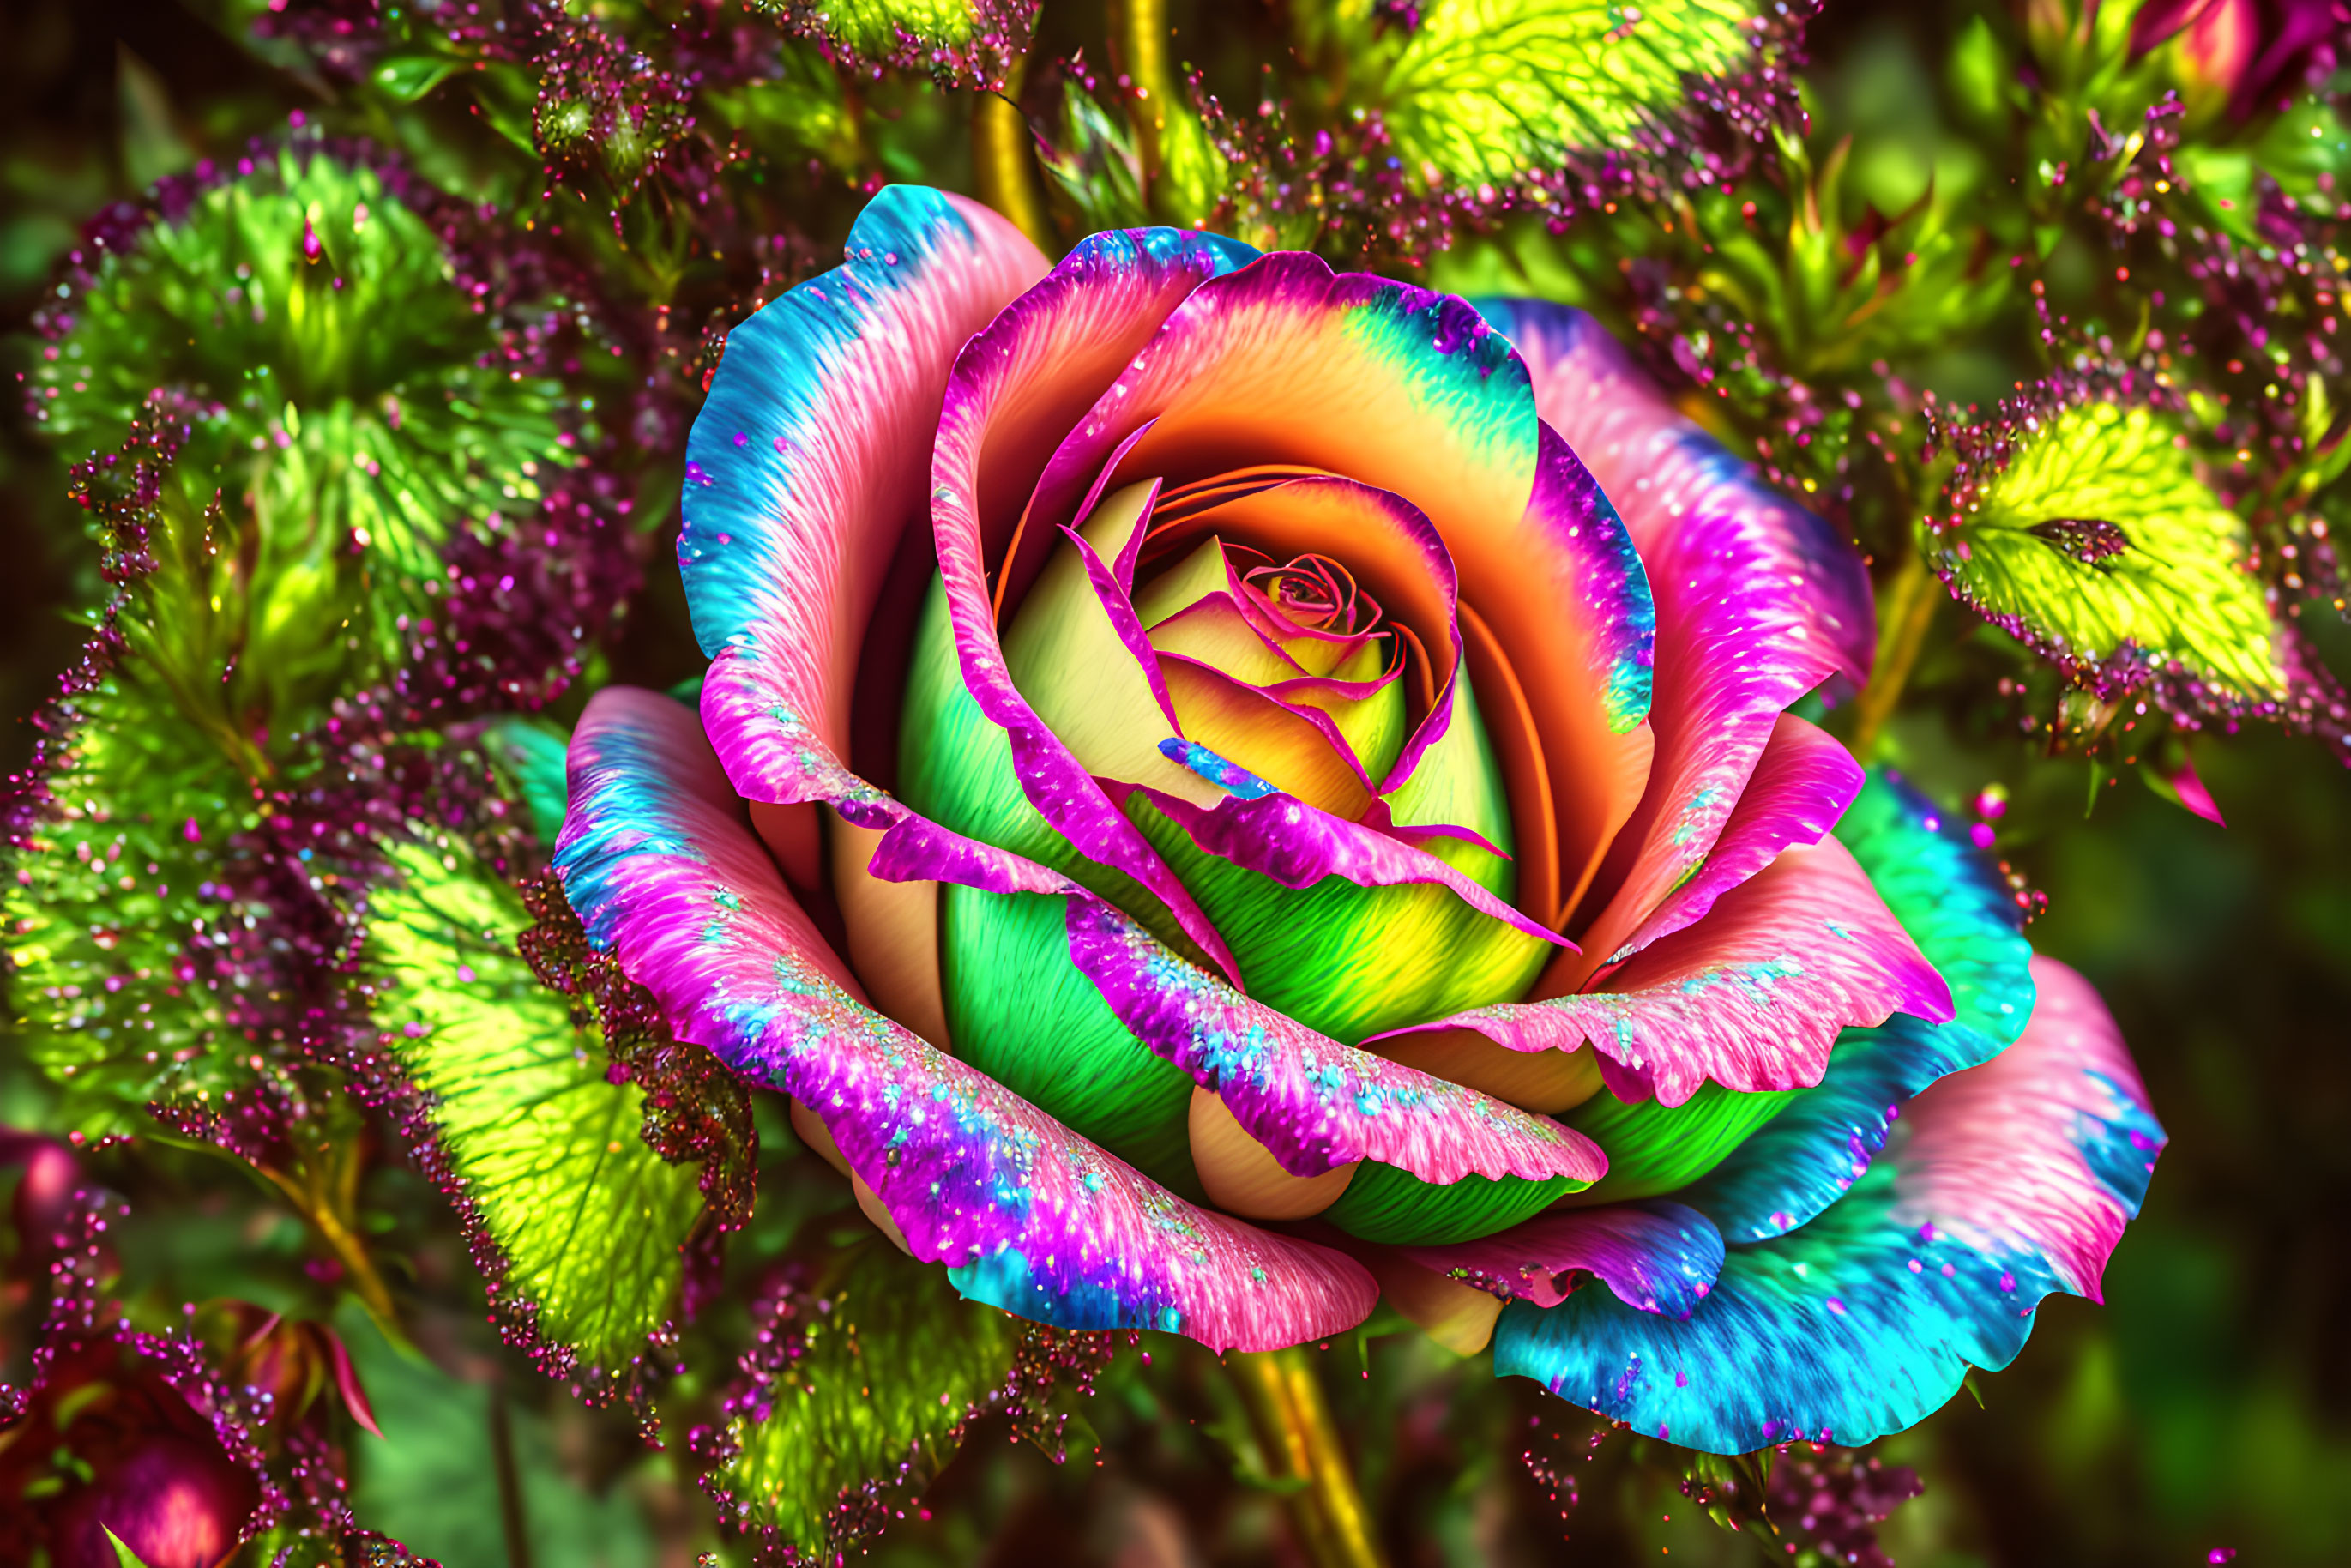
(1751, 996)
(347, 1382)
(1314, 1102)
(2188, 786)
(1111, 593)
(657, 858)
(1801, 788)
(1758, 601)
(804, 469)
(1657, 1257)
(1035, 370)
(1297, 845)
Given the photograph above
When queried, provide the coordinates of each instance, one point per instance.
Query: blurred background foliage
(2207, 1410)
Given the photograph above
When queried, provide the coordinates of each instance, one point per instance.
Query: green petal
(1458, 782)
(1017, 1008)
(955, 767)
(1349, 961)
(1654, 1148)
(1389, 1205)
(1962, 917)
(1019, 1011)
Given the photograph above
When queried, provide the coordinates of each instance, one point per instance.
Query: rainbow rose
(1212, 815)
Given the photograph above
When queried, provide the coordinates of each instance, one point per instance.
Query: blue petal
(2003, 1182)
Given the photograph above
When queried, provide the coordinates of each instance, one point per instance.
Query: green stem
(311, 1199)
(1906, 611)
(1292, 1419)
(512, 1519)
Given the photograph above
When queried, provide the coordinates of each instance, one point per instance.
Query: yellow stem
(1004, 160)
(319, 1214)
(1293, 1424)
(1142, 33)
(1904, 612)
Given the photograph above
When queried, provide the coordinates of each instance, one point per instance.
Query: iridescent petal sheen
(1285, 363)
(1312, 1101)
(802, 474)
(1028, 376)
(1800, 788)
(1758, 601)
(658, 861)
(1297, 845)
(1657, 1257)
(1969, 926)
(1751, 997)
(2003, 1183)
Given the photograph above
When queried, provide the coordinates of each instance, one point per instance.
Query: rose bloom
(1225, 789)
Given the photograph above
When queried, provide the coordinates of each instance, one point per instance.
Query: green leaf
(590, 1218)
(404, 78)
(2098, 538)
(961, 42)
(345, 456)
(1486, 88)
(106, 889)
(123, 1557)
(861, 1392)
(1097, 164)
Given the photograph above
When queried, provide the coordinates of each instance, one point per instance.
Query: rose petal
(1298, 845)
(1967, 925)
(1016, 387)
(1656, 1257)
(1583, 637)
(1314, 1102)
(1750, 997)
(805, 467)
(660, 865)
(1758, 601)
(2011, 1180)
(1285, 363)
(1801, 786)
(1383, 539)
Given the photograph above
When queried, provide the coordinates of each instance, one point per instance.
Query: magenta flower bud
(176, 1501)
(2247, 53)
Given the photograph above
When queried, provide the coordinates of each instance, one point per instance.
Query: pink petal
(1758, 601)
(1314, 1102)
(660, 865)
(1751, 996)
(1015, 388)
(1285, 365)
(1804, 783)
(804, 467)
(2045, 1149)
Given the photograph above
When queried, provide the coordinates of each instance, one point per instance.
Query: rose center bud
(1284, 672)
(1267, 637)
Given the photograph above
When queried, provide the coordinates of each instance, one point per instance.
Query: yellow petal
(1241, 1175)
